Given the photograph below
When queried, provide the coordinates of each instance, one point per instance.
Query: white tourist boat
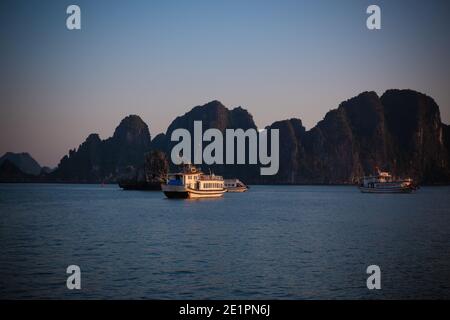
(191, 183)
(385, 183)
(235, 185)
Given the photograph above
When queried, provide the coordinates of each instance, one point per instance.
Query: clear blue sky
(278, 59)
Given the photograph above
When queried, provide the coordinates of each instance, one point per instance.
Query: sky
(279, 59)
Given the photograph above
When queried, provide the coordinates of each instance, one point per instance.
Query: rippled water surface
(273, 242)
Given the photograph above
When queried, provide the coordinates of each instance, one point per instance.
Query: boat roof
(189, 169)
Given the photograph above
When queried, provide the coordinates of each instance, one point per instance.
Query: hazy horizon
(158, 59)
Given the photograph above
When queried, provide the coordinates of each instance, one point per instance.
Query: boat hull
(237, 189)
(182, 192)
(386, 190)
(176, 195)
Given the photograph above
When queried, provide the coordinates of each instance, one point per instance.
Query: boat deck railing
(210, 177)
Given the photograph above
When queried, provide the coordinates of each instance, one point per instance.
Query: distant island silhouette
(401, 132)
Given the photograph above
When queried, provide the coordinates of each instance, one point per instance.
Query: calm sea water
(273, 242)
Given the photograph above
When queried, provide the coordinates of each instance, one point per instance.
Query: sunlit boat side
(192, 183)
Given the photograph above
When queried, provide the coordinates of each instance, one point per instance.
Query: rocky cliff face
(446, 138)
(148, 176)
(400, 132)
(99, 160)
(348, 142)
(417, 136)
(213, 115)
(292, 152)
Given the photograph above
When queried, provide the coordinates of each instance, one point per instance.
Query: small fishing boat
(383, 182)
(235, 185)
(191, 183)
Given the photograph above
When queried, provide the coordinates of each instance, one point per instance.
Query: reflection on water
(293, 242)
